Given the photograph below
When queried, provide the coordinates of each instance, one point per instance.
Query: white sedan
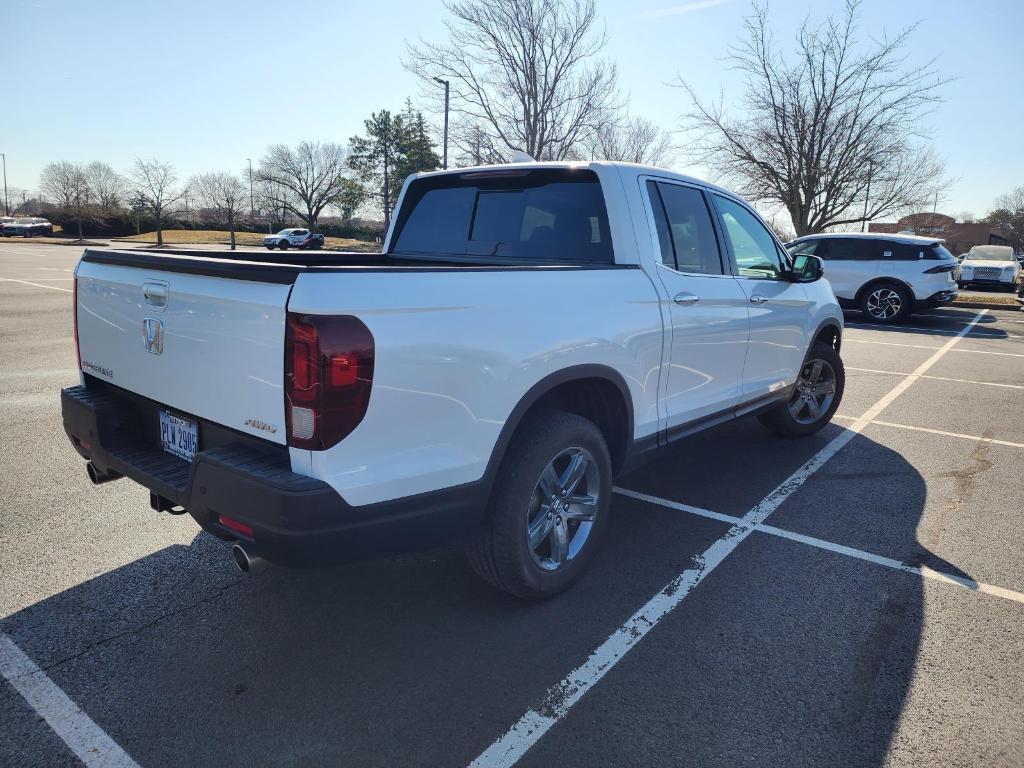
(990, 265)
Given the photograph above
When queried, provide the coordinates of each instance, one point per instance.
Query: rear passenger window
(845, 249)
(685, 230)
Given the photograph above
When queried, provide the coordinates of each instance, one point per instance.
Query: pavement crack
(143, 627)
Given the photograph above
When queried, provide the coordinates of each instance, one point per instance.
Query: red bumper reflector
(236, 526)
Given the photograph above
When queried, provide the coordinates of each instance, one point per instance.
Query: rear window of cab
(549, 215)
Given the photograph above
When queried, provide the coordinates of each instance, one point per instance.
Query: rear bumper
(938, 299)
(297, 521)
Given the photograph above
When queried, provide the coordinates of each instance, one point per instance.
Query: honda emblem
(153, 335)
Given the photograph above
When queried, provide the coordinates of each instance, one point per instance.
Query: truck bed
(274, 267)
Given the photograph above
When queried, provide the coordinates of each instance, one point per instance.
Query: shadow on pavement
(412, 660)
(924, 326)
(787, 655)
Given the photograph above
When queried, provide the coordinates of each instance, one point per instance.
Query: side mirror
(806, 269)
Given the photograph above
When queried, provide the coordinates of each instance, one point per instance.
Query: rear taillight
(328, 376)
(940, 269)
(74, 320)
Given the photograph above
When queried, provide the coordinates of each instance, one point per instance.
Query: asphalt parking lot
(855, 598)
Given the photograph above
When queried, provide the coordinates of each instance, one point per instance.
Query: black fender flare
(539, 390)
(830, 322)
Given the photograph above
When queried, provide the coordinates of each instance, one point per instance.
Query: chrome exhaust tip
(98, 477)
(245, 561)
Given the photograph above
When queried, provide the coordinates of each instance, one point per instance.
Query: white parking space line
(562, 696)
(938, 378)
(731, 519)
(960, 335)
(976, 438)
(860, 554)
(76, 729)
(37, 285)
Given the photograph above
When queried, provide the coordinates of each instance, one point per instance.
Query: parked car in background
(294, 238)
(530, 331)
(4, 221)
(887, 277)
(993, 265)
(28, 228)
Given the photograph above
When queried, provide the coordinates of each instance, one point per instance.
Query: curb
(64, 243)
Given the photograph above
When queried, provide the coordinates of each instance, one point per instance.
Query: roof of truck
(633, 168)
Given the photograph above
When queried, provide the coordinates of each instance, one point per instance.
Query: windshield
(991, 253)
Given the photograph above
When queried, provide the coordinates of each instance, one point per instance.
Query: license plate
(179, 436)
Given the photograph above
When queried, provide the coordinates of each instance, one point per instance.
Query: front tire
(816, 396)
(548, 507)
(284, 245)
(270, 247)
(886, 302)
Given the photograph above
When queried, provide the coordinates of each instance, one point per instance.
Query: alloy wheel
(562, 508)
(814, 393)
(884, 303)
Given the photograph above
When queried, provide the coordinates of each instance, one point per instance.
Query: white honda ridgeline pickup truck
(529, 332)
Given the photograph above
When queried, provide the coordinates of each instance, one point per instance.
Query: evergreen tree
(394, 147)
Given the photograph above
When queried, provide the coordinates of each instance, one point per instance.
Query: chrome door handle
(155, 292)
(758, 299)
(685, 298)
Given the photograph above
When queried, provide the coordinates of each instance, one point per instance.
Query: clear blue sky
(205, 85)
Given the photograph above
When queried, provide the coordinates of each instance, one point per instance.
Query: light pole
(871, 170)
(252, 206)
(446, 85)
(7, 206)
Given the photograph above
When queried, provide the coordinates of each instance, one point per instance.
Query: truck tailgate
(206, 346)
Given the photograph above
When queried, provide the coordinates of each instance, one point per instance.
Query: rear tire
(819, 390)
(547, 509)
(886, 302)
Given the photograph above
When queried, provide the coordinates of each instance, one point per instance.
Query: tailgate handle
(155, 293)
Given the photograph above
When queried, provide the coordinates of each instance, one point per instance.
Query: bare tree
(155, 185)
(474, 145)
(223, 195)
(308, 178)
(632, 140)
(271, 201)
(1009, 217)
(523, 71)
(67, 185)
(107, 185)
(834, 133)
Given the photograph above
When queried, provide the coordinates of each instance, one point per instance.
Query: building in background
(959, 236)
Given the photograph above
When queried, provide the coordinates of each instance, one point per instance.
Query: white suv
(295, 237)
(885, 276)
(990, 265)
